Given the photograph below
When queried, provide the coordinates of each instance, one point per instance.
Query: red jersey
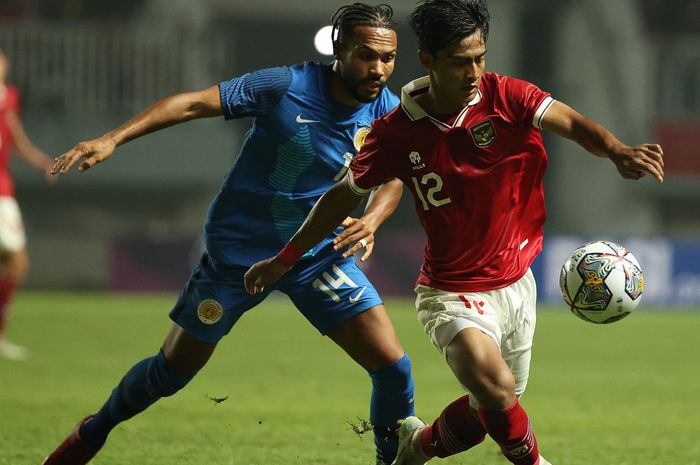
(9, 102)
(477, 184)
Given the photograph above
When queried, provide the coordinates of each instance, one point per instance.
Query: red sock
(7, 290)
(455, 430)
(510, 428)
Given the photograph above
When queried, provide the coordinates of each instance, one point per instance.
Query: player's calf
(510, 428)
(146, 382)
(392, 400)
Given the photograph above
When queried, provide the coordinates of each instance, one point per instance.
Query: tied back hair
(348, 17)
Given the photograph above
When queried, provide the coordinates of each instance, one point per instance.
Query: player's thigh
(212, 301)
(468, 329)
(369, 338)
(476, 361)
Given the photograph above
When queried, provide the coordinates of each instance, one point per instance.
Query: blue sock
(143, 385)
(392, 400)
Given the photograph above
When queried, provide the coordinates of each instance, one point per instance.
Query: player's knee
(496, 390)
(165, 380)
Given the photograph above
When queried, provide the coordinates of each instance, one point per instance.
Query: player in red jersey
(468, 145)
(13, 254)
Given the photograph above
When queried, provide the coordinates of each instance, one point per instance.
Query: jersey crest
(483, 133)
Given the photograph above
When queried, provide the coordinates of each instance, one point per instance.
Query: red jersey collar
(416, 112)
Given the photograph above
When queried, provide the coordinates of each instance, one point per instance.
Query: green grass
(624, 394)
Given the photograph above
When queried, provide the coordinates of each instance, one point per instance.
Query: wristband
(289, 255)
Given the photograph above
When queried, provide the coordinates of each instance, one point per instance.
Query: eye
(367, 56)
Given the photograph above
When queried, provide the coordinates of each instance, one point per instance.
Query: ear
(337, 46)
(426, 59)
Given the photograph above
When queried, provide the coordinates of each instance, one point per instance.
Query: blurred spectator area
(86, 66)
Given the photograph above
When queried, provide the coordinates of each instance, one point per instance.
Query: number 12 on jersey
(433, 183)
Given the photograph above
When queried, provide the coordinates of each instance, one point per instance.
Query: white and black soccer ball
(601, 282)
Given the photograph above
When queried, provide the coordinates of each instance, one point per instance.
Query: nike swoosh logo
(301, 120)
(357, 296)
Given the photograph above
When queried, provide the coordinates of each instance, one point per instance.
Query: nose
(376, 69)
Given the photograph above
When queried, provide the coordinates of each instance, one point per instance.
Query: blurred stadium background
(85, 66)
(624, 394)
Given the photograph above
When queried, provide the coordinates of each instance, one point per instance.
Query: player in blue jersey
(310, 120)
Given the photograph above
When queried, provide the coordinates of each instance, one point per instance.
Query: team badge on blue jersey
(483, 133)
(209, 311)
(360, 136)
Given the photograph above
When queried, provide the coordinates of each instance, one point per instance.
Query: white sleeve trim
(355, 188)
(541, 110)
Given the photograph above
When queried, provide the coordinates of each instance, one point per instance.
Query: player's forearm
(382, 203)
(34, 156)
(24, 147)
(592, 136)
(330, 210)
(167, 112)
(595, 138)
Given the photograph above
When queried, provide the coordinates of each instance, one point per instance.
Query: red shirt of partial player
(477, 184)
(9, 102)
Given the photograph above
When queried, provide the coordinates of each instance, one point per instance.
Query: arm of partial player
(330, 210)
(631, 162)
(24, 146)
(381, 205)
(166, 112)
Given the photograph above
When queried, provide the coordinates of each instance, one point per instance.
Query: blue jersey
(301, 142)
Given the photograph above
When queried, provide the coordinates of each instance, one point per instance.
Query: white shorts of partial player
(12, 236)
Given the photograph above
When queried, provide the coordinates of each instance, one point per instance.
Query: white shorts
(507, 315)
(12, 236)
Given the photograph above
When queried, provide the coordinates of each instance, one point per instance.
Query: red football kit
(477, 183)
(9, 102)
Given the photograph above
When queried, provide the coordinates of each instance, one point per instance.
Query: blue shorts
(327, 290)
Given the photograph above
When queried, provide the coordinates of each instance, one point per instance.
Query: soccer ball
(601, 282)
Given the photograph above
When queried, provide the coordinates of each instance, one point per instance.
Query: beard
(355, 89)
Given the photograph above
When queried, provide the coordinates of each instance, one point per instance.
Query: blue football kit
(300, 144)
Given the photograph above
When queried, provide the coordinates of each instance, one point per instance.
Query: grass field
(625, 394)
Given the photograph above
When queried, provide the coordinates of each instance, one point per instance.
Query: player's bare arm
(330, 211)
(359, 232)
(164, 113)
(24, 146)
(631, 162)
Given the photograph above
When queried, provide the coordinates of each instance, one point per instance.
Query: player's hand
(358, 234)
(93, 151)
(46, 170)
(634, 162)
(263, 273)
